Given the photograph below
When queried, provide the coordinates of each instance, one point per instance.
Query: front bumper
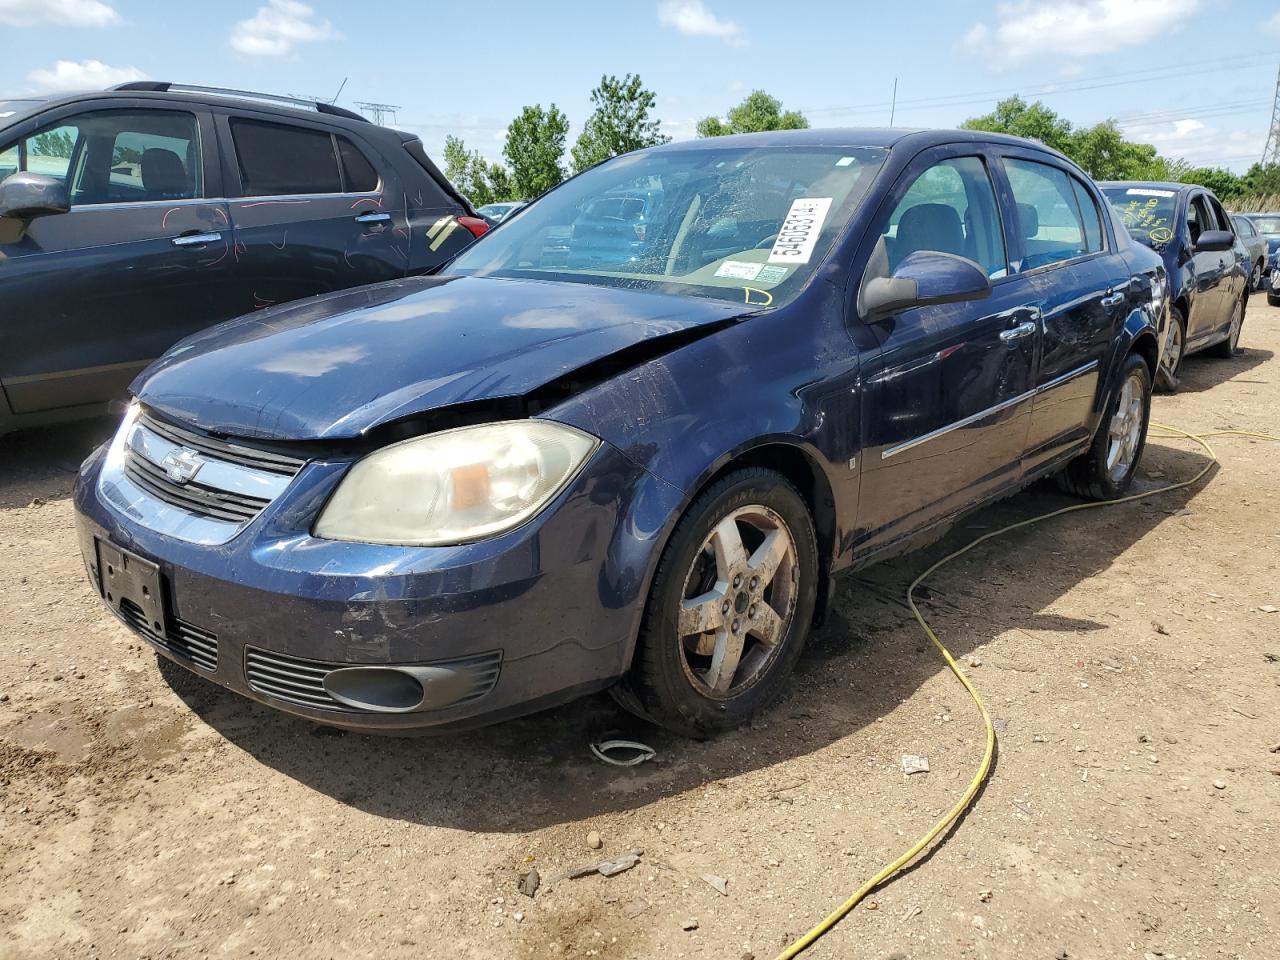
(534, 617)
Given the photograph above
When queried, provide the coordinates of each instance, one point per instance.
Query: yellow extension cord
(988, 754)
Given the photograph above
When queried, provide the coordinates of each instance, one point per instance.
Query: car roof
(204, 97)
(886, 137)
(1152, 185)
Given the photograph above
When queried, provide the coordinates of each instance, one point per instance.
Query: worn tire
(657, 683)
(1226, 349)
(1087, 475)
(1167, 380)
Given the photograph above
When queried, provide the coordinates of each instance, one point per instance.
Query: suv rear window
(276, 160)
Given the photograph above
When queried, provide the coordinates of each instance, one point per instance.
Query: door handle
(373, 218)
(1113, 299)
(196, 239)
(1018, 332)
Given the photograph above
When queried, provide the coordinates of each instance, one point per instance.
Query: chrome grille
(229, 482)
(225, 450)
(195, 497)
(301, 681)
(183, 640)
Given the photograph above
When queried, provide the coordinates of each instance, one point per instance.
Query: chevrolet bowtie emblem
(181, 465)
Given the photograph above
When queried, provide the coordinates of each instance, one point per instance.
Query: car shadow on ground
(861, 665)
(1200, 371)
(42, 464)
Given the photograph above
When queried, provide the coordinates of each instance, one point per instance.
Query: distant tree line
(622, 120)
(1103, 152)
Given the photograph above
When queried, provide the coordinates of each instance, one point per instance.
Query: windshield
(1147, 212)
(1267, 225)
(746, 225)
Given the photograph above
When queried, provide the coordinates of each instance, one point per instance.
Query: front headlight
(456, 486)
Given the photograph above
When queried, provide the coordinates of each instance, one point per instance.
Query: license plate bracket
(126, 578)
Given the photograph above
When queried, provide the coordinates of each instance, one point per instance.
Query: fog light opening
(379, 689)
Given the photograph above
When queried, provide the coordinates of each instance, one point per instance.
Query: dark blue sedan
(453, 499)
(1210, 269)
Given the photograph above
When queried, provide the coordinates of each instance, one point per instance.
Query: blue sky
(1194, 77)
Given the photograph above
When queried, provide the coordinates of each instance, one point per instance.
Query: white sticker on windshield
(8, 113)
(845, 161)
(739, 270)
(1143, 192)
(800, 230)
(771, 274)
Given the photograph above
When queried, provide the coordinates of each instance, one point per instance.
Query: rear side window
(276, 160)
(1047, 214)
(1090, 215)
(949, 208)
(358, 173)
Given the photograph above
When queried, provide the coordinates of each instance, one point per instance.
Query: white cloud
(1274, 23)
(81, 75)
(67, 13)
(276, 29)
(1076, 28)
(692, 17)
(1199, 143)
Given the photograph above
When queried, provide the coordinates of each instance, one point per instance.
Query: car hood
(337, 366)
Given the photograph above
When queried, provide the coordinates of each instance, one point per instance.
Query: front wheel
(730, 606)
(1106, 469)
(1226, 349)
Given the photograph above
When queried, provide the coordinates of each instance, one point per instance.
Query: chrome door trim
(1069, 375)
(958, 425)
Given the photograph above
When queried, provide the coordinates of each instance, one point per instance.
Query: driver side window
(949, 208)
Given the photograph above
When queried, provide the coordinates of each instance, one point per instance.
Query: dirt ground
(1134, 810)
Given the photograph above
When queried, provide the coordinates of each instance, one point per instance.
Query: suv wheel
(730, 606)
(1106, 470)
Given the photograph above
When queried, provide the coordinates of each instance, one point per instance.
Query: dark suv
(134, 216)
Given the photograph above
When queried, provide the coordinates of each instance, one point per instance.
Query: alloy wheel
(1237, 321)
(1172, 352)
(1125, 431)
(739, 601)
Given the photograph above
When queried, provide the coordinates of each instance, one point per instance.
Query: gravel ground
(1134, 809)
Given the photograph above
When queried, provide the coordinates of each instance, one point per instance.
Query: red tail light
(477, 226)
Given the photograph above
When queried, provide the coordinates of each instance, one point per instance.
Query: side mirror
(1215, 241)
(25, 196)
(925, 278)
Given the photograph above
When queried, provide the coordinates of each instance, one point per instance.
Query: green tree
(535, 149)
(1105, 154)
(620, 123)
(1261, 181)
(758, 112)
(1225, 184)
(1035, 121)
(474, 176)
(500, 183)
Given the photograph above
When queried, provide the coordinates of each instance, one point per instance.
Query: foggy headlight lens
(457, 486)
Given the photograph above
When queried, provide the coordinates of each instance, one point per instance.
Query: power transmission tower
(378, 112)
(1271, 153)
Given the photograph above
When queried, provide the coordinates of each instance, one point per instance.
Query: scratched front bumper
(557, 597)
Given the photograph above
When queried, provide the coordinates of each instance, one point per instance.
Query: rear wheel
(1255, 278)
(1174, 350)
(1226, 349)
(1106, 469)
(730, 606)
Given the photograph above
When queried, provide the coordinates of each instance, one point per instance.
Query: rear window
(276, 160)
(1268, 225)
